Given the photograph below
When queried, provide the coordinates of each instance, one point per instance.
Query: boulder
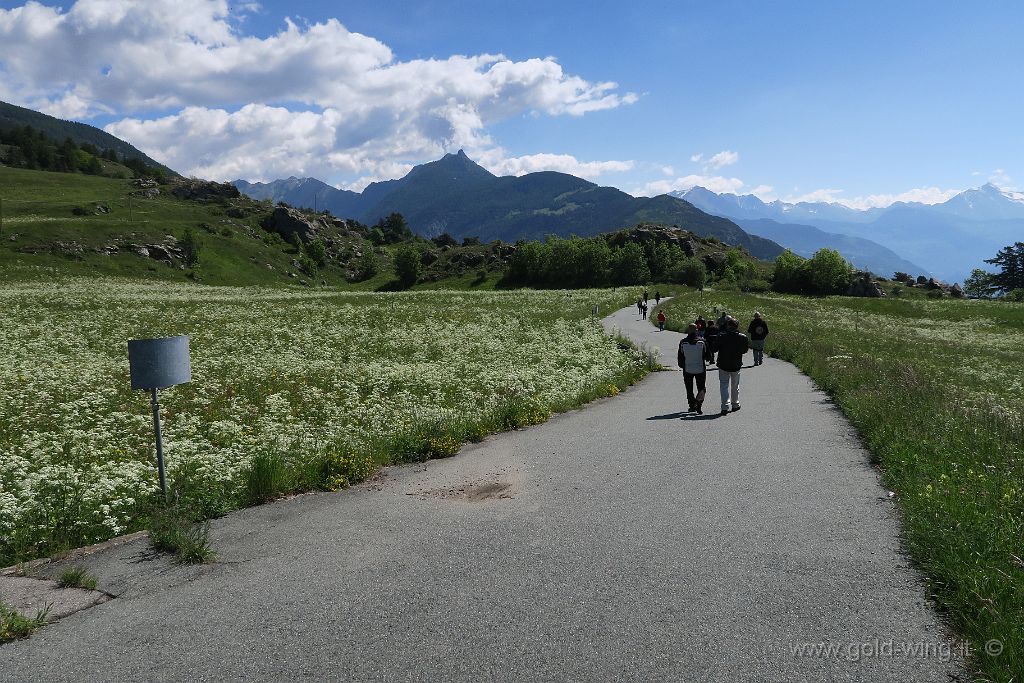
(956, 291)
(286, 221)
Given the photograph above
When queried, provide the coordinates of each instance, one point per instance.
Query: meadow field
(935, 387)
(291, 390)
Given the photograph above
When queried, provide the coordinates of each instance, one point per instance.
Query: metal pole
(159, 444)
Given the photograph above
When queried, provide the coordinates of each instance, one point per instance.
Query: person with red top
(661, 320)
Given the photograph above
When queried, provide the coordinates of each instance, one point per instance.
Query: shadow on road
(686, 415)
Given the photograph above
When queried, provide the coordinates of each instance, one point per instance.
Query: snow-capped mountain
(948, 239)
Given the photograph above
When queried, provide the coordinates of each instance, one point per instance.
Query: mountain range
(458, 196)
(947, 239)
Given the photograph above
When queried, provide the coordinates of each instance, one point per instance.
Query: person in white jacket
(692, 354)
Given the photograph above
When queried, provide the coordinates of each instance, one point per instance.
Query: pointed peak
(462, 153)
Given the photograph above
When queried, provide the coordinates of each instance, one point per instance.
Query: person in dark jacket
(731, 347)
(691, 357)
(758, 330)
(710, 338)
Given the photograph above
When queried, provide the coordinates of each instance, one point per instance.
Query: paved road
(622, 541)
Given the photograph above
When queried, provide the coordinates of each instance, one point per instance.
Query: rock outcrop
(286, 221)
(863, 285)
(205, 191)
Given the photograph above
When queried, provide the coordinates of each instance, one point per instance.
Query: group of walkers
(642, 307)
(706, 339)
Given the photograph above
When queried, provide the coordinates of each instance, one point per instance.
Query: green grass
(76, 577)
(174, 529)
(935, 389)
(14, 625)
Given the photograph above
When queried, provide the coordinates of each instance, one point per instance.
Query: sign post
(158, 364)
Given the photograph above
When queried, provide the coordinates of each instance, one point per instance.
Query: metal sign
(158, 364)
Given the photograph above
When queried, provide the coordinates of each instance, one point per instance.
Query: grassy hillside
(934, 387)
(79, 225)
(12, 116)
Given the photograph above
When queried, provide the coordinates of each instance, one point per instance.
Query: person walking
(722, 319)
(661, 321)
(711, 339)
(657, 298)
(639, 305)
(645, 295)
(699, 322)
(758, 330)
(643, 310)
(691, 356)
(731, 346)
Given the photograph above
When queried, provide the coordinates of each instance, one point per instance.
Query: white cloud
(924, 195)
(232, 101)
(498, 164)
(717, 184)
(668, 170)
(696, 158)
(1002, 180)
(721, 160)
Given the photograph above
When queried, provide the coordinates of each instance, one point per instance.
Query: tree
(629, 265)
(394, 228)
(367, 264)
(690, 271)
(191, 245)
(828, 272)
(407, 265)
(979, 284)
(788, 275)
(93, 166)
(527, 264)
(1011, 267)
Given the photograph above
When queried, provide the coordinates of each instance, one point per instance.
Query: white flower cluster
(270, 367)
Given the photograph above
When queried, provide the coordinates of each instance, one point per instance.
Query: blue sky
(862, 102)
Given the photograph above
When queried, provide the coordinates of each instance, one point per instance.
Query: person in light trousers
(731, 347)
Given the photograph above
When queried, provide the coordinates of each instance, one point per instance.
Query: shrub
(407, 266)
(317, 251)
(1016, 295)
(934, 293)
(308, 266)
(191, 245)
(339, 466)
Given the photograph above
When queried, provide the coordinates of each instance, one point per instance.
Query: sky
(864, 102)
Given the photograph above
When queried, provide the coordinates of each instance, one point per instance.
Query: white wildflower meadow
(270, 367)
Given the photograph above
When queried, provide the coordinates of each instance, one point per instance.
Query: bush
(408, 266)
(339, 466)
(690, 271)
(317, 251)
(308, 265)
(934, 293)
(367, 265)
(1016, 295)
(191, 245)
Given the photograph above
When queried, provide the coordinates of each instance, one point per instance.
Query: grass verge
(934, 389)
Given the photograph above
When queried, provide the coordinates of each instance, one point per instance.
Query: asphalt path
(622, 541)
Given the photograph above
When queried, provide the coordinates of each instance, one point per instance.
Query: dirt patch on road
(473, 492)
